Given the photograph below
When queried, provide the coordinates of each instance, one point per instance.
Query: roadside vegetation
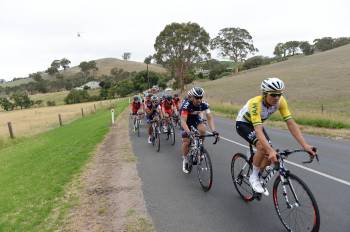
(35, 172)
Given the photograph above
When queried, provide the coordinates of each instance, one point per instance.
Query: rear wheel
(301, 212)
(172, 133)
(205, 170)
(240, 172)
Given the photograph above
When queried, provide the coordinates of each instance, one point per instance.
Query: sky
(33, 33)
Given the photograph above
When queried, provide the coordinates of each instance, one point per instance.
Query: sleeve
(283, 108)
(184, 110)
(254, 108)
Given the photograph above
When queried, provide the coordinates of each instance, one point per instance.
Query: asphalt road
(176, 202)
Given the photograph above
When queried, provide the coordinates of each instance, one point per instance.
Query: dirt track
(110, 195)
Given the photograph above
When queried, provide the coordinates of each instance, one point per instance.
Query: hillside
(322, 78)
(104, 67)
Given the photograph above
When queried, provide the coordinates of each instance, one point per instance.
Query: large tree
(235, 43)
(324, 43)
(65, 63)
(126, 55)
(180, 45)
(36, 76)
(88, 68)
(147, 61)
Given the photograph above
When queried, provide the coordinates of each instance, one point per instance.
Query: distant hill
(322, 78)
(104, 67)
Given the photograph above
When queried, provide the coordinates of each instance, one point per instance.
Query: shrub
(77, 96)
(50, 103)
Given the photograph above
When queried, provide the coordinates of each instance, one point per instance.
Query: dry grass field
(322, 78)
(104, 67)
(58, 97)
(29, 122)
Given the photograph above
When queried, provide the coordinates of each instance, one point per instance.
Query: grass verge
(35, 171)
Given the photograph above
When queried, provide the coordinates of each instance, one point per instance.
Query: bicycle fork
(286, 181)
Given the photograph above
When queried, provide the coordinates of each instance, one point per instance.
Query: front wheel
(240, 172)
(204, 170)
(295, 204)
(157, 138)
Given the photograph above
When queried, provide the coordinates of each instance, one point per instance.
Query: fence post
(10, 130)
(95, 107)
(322, 108)
(60, 119)
(82, 112)
(112, 112)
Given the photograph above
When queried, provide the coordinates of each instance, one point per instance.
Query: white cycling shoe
(149, 139)
(256, 185)
(185, 165)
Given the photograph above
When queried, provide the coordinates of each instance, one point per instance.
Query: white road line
(298, 165)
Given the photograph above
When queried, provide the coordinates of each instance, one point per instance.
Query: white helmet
(196, 92)
(272, 84)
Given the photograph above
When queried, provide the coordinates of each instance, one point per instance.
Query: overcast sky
(35, 32)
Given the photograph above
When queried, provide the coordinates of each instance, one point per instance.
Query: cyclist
(191, 111)
(168, 108)
(249, 126)
(135, 107)
(152, 110)
(176, 100)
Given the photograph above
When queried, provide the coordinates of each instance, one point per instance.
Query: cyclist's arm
(295, 131)
(184, 115)
(210, 119)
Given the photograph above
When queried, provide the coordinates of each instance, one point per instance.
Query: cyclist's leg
(150, 129)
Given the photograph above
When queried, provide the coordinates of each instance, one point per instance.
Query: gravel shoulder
(109, 190)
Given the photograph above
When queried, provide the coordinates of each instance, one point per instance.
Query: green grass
(34, 171)
(319, 121)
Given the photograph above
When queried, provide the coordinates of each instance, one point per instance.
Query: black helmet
(169, 97)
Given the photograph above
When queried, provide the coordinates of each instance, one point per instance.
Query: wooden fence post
(322, 108)
(10, 130)
(82, 112)
(60, 119)
(95, 107)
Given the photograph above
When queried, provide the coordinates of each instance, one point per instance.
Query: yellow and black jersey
(255, 111)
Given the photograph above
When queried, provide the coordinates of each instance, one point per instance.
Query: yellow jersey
(255, 111)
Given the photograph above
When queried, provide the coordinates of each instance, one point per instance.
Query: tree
(36, 76)
(88, 68)
(6, 104)
(52, 70)
(324, 43)
(235, 43)
(306, 48)
(77, 96)
(341, 41)
(180, 45)
(126, 55)
(22, 100)
(56, 64)
(292, 47)
(255, 61)
(124, 88)
(147, 61)
(65, 63)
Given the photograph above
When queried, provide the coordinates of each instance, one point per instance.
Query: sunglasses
(198, 98)
(275, 94)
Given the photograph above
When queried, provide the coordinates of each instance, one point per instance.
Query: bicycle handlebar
(286, 153)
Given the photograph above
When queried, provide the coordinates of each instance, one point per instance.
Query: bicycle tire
(314, 214)
(157, 139)
(138, 127)
(240, 176)
(204, 158)
(172, 134)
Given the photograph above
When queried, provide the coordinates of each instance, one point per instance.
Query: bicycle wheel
(157, 138)
(240, 172)
(301, 213)
(204, 170)
(172, 133)
(138, 127)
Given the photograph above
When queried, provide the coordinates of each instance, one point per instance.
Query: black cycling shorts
(246, 130)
